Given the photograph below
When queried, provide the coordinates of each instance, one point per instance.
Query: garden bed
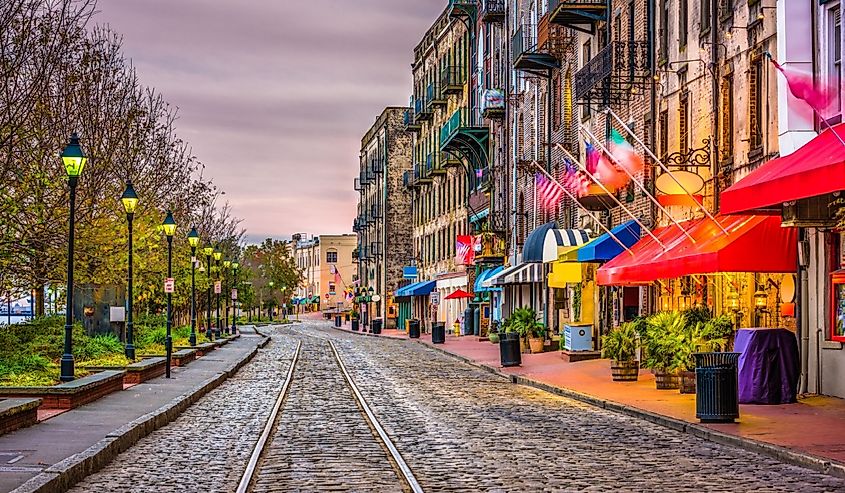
(183, 356)
(18, 413)
(148, 368)
(70, 395)
(201, 349)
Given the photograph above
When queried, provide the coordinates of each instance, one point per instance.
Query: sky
(275, 95)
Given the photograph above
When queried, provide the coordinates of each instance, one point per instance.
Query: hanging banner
(465, 250)
(218, 287)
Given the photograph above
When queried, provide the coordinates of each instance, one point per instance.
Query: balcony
(424, 176)
(613, 74)
(377, 166)
(364, 180)
(422, 112)
(433, 97)
(463, 9)
(449, 160)
(376, 249)
(452, 80)
(409, 179)
(493, 11)
(433, 162)
(464, 135)
(528, 55)
(493, 247)
(409, 121)
(375, 212)
(580, 15)
(358, 185)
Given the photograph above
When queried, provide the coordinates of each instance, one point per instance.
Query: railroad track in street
(322, 433)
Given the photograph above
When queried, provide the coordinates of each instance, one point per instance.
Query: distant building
(383, 223)
(327, 269)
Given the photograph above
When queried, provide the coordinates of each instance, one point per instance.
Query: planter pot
(624, 371)
(493, 337)
(667, 381)
(523, 346)
(536, 344)
(687, 382)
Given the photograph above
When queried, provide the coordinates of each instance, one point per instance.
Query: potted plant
(493, 334)
(531, 331)
(662, 344)
(355, 322)
(701, 335)
(620, 345)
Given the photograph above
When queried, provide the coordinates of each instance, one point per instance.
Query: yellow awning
(564, 273)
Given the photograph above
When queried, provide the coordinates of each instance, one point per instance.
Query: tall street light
(74, 161)
(217, 255)
(271, 284)
(235, 266)
(169, 227)
(227, 264)
(130, 203)
(209, 333)
(193, 240)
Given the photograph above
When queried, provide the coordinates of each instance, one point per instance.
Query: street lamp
(271, 284)
(208, 251)
(235, 266)
(193, 240)
(226, 265)
(130, 203)
(169, 227)
(74, 161)
(217, 255)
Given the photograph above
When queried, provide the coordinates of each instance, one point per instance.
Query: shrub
(620, 343)
(97, 347)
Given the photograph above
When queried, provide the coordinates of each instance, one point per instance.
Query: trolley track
(322, 433)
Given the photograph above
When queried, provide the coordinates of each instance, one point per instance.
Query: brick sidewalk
(815, 425)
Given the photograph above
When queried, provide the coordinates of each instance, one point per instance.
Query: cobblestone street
(458, 428)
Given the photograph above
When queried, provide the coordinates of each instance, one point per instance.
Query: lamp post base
(129, 352)
(192, 339)
(67, 368)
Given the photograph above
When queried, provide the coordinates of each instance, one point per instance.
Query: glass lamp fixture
(761, 298)
(732, 300)
(73, 157)
(129, 199)
(169, 225)
(193, 238)
(227, 263)
(217, 254)
(208, 251)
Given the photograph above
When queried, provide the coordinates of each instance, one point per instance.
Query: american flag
(548, 192)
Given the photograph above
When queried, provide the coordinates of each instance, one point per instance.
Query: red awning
(754, 244)
(817, 168)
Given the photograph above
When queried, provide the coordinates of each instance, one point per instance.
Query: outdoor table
(768, 366)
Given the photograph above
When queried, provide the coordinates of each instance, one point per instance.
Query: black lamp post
(74, 161)
(217, 255)
(227, 264)
(270, 309)
(130, 203)
(208, 251)
(235, 266)
(193, 240)
(169, 226)
(370, 293)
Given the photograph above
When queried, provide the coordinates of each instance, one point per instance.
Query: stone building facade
(383, 227)
(320, 258)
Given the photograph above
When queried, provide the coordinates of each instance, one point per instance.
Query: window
(755, 102)
(834, 71)
(663, 132)
(586, 56)
(727, 140)
(683, 123)
(835, 267)
(331, 287)
(557, 99)
(331, 257)
(663, 56)
(683, 19)
(706, 14)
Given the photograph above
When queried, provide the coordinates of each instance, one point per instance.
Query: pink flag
(802, 86)
(612, 178)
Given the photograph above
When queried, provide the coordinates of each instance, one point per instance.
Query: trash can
(468, 322)
(509, 351)
(716, 388)
(355, 324)
(337, 321)
(375, 325)
(438, 332)
(414, 329)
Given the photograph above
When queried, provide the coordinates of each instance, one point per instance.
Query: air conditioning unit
(578, 337)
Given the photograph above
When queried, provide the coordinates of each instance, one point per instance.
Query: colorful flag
(802, 86)
(549, 193)
(593, 156)
(606, 173)
(464, 254)
(625, 154)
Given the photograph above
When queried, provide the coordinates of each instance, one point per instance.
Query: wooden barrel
(624, 371)
(667, 381)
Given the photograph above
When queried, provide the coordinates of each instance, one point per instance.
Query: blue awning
(532, 251)
(485, 275)
(422, 288)
(605, 248)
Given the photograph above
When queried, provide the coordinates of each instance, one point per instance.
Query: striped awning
(524, 273)
(558, 241)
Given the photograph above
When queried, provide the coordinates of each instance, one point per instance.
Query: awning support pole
(575, 199)
(618, 202)
(662, 166)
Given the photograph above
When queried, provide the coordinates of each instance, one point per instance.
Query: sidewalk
(810, 432)
(115, 421)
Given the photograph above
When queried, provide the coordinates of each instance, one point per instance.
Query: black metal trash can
(414, 329)
(337, 321)
(438, 333)
(509, 351)
(355, 324)
(375, 326)
(716, 387)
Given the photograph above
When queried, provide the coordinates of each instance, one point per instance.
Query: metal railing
(617, 64)
(463, 117)
(375, 211)
(494, 8)
(452, 79)
(524, 40)
(358, 186)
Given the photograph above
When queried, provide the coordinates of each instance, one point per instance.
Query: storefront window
(838, 288)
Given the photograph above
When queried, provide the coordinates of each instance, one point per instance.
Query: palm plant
(620, 344)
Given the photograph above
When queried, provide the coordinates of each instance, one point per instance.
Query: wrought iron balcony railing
(378, 166)
(452, 79)
(358, 186)
(463, 117)
(613, 71)
(493, 10)
(376, 249)
(524, 40)
(375, 211)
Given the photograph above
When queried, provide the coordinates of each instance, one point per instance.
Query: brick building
(320, 258)
(384, 232)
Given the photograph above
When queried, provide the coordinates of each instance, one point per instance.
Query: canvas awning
(817, 168)
(484, 280)
(559, 241)
(422, 288)
(605, 248)
(753, 244)
(524, 273)
(564, 273)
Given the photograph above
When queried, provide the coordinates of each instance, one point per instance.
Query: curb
(778, 452)
(63, 475)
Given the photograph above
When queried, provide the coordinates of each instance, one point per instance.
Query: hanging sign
(169, 285)
(234, 294)
(218, 287)
(435, 298)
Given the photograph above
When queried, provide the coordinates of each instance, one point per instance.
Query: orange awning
(753, 244)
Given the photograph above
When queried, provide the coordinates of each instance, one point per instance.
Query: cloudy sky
(274, 96)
